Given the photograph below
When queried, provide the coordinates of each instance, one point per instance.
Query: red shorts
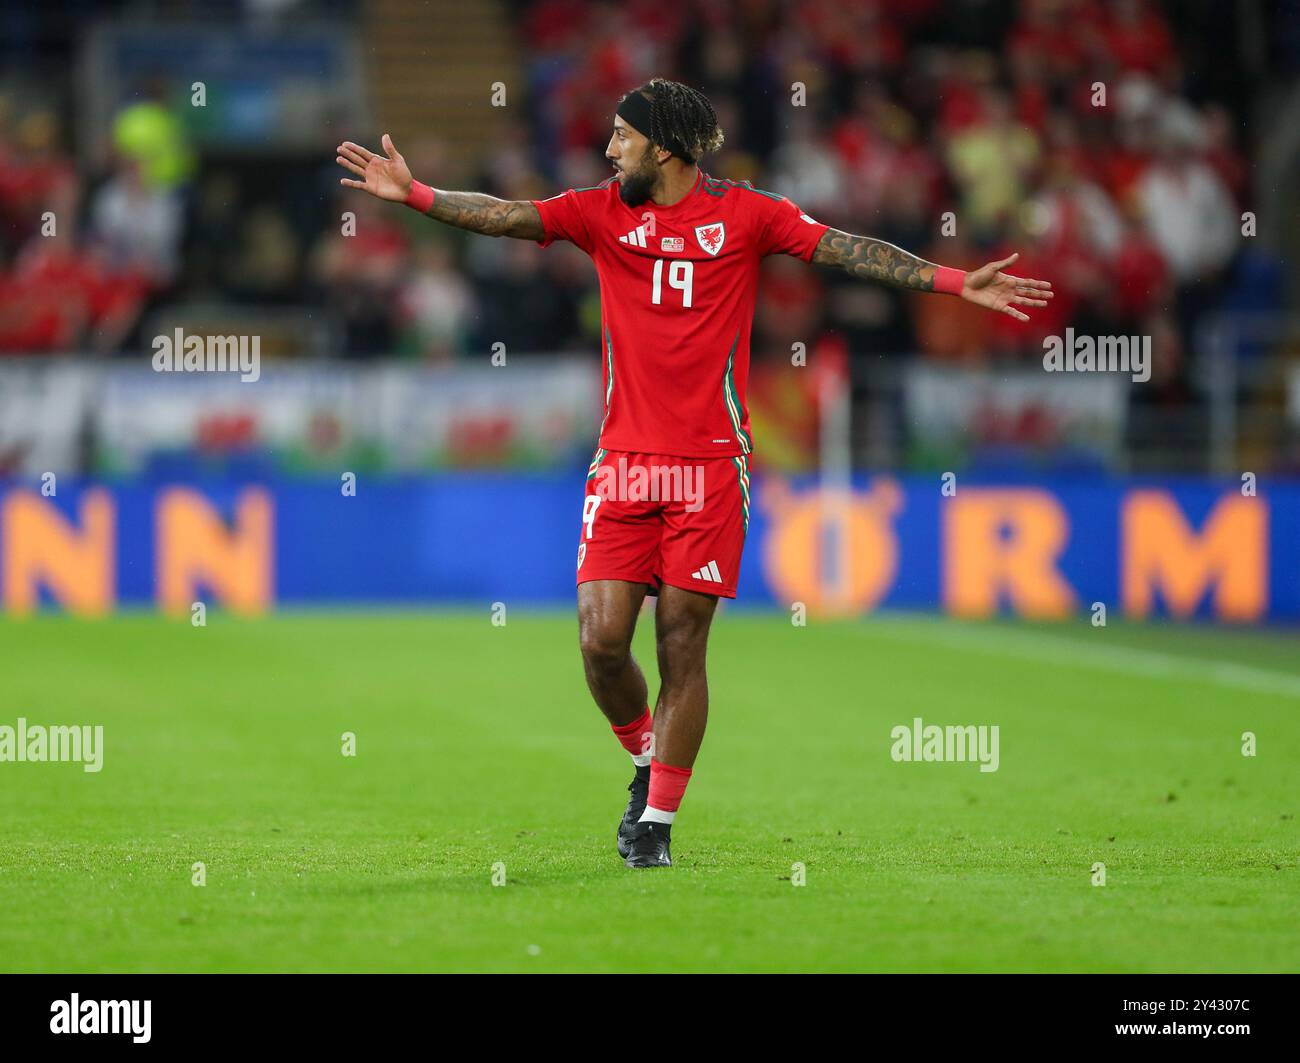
(655, 519)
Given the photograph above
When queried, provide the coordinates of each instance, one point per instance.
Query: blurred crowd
(1072, 131)
(1105, 142)
(80, 260)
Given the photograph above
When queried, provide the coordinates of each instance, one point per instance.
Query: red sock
(636, 736)
(667, 785)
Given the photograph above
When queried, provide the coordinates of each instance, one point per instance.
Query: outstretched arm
(988, 286)
(388, 177)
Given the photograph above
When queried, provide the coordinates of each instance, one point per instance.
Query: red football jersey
(677, 292)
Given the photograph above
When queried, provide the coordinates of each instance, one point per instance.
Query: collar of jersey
(651, 205)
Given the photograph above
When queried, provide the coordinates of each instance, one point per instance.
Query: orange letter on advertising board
(1161, 552)
(40, 546)
(981, 565)
(194, 546)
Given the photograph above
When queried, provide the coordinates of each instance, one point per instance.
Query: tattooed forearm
(485, 214)
(871, 259)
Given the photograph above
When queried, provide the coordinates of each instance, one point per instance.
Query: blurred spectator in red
(789, 303)
(59, 297)
(1135, 36)
(1143, 283)
(1055, 30)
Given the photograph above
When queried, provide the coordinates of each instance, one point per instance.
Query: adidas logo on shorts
(709, 572)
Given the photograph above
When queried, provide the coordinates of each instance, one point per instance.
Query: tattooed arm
(485, 214)
(389, 178)
(870, 259)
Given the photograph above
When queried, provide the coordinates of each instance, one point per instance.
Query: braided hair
(681, 119)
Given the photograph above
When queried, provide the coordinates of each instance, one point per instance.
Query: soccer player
(677, 254)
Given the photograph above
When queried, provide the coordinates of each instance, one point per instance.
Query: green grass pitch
(478, 745)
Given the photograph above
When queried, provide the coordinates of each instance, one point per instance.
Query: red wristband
(420, 197)
(949, 281)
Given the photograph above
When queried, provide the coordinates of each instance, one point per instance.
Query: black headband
(635, 111)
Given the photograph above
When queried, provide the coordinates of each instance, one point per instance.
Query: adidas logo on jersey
(636, 237)
(709, 572)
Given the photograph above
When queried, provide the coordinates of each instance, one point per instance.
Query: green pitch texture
(478, 745)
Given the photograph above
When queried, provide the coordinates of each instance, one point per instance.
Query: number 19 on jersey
(681, 274)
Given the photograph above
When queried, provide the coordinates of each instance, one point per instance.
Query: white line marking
(1057, 649)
